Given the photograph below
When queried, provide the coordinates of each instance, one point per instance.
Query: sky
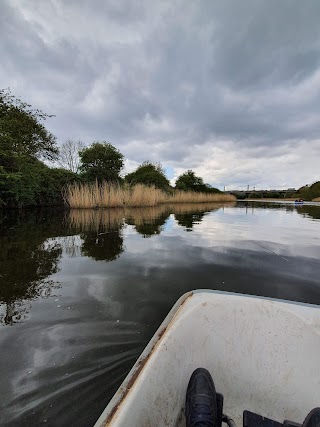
(227, 88)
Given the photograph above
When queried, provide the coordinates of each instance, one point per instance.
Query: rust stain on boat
(140, 366)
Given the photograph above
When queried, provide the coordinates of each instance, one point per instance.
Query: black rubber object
(313, 418)
(254, 420)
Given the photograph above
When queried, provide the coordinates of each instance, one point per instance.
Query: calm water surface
(82, 292)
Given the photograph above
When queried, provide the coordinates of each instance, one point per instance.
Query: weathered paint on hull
(263, 355)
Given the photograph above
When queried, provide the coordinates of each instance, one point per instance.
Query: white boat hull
(264, 356)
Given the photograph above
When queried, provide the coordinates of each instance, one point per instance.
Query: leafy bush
(34, 185)
(309, 192)
(149, 174)
(188, 181)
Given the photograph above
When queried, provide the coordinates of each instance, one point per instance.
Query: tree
(309, 192)
(149, 174)
(101, 161)
(69, 155)
(35, 185)
(8, 181)
(188, 181)
(23, 142)
(21, 131)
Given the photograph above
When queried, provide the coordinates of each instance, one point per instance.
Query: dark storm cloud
(174, 81)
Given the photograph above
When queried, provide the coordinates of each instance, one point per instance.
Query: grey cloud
(265, 43)
(159, 79)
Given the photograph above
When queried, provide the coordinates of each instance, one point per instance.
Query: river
(82, 292)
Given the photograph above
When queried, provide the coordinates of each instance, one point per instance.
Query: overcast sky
(228, 88)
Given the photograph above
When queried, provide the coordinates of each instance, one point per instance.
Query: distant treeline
(265, 195)
(307, 192)
(26, 180)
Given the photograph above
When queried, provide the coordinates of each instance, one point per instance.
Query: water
(83, 292)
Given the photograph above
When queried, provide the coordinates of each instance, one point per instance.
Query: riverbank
(314, 202)
(269, 200)
(106, 195)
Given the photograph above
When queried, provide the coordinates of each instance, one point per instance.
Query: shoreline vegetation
(272, 199)
(114, 195)
(269, 199)
(307, 193)
(85, 171)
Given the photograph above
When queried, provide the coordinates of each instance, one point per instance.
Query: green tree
(188, 181)
(101, 161)
(315, 190)
(22, 133)
(149, 174)
(34, 185)
(23, 142)
(309, 192)
(7, 185)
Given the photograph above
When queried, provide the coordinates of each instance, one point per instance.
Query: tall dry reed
(140, 195)
(192, 197)
(109, 195)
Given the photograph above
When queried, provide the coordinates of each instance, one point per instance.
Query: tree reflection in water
(148, 221)
(32, 244)
(100, 231)
(306, 210)
(309, 211)
(103, 246)
(27, 258)
(95, 225)
(187, 215)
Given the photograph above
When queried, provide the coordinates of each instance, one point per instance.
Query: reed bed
(192, 197)
(94, 195)
(108, 195)
(140, 195)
